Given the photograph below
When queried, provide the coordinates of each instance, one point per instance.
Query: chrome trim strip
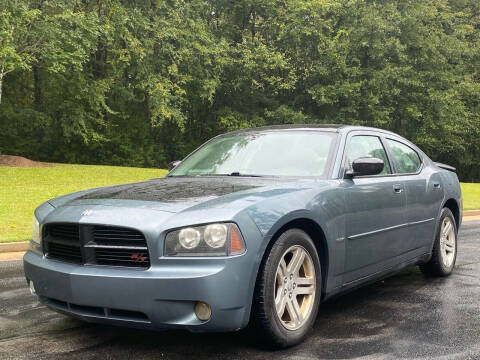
(354, 237)
(420, 222)
(357, 236)
(115, 247)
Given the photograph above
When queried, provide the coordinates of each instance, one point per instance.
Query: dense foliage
(144, 82)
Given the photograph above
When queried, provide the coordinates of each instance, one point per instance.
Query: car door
(375, 219)
(423, 193)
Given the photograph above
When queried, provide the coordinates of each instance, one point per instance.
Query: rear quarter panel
(452, 190)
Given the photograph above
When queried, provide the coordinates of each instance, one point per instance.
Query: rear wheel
(288, 291)
(444, 251)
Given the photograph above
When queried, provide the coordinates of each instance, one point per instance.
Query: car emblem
(138, 257)
(87, 212)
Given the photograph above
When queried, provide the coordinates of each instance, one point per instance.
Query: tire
(288, 330)
(444, 252)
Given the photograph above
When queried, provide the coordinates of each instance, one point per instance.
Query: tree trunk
(2, 75)
(37, 95)
(254, 18)
(1, 86)
(148, 108)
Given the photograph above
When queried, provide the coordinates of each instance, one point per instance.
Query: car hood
(175, 194)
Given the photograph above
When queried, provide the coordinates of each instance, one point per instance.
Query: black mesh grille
(94, 244)
(118, 314)
(67, 232)
(65, 252)
(62, 242)
(119, 247)
(122, 257)
(117, 236)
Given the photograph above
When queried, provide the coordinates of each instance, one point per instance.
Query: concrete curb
(471, 212)
(14, 247)
(11, 256)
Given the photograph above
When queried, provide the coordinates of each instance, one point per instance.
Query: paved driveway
(405, 316)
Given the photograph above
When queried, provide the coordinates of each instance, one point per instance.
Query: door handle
(397, 189)
(436, 185)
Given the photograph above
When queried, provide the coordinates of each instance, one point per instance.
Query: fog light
(203, 310)
(32, 288)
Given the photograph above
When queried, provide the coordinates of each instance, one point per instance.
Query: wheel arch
(453, 206)
(316, 233)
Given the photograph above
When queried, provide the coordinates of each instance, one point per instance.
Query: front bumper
(157, 298)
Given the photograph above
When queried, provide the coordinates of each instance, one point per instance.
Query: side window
(406, 159)
(367, 146)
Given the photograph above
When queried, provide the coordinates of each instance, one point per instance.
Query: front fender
(325, 209)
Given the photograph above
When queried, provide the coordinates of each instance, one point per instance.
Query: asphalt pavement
(406, 316)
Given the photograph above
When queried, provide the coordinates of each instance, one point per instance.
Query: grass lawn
(471, 196)
(23, 189)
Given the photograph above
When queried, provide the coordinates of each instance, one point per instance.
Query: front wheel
(288, 290)
(444, 251)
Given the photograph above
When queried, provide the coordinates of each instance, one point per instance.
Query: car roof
(312, 127)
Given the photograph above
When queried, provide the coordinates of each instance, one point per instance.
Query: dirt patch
(19, 161)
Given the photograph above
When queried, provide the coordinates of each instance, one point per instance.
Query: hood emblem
(87, 212)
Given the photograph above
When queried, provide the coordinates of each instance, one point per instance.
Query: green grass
(471, 196)
(23, 189)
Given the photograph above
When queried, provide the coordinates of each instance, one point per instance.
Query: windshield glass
(288, 153)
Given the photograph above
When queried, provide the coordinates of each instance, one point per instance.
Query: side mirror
(365, 166)
(173, 164)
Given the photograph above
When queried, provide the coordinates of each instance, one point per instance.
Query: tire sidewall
(285, 241)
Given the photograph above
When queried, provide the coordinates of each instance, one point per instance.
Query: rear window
(406, 159)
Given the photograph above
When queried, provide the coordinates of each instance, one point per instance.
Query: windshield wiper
(236, 173)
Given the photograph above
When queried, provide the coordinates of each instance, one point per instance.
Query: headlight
(189, 238)
(215, 235)
(36, 238)
(222, 239)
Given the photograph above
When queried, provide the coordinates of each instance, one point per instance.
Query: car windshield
(271, 153)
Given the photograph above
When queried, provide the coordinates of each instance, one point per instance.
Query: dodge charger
(256, 226)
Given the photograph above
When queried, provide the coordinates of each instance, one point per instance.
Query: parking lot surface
(406, 316)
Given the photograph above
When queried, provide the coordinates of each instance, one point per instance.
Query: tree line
(142, 83)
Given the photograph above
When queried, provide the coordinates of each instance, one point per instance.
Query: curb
(14, 247)
(11, 256)
(471, 213)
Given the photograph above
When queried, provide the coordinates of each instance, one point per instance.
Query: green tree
(18, 48)
(143, 83)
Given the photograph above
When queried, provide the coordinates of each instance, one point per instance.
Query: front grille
(122, 257)
(68, 232)
(65, 252)
(121, 236)
(95, 244)
(62, 242)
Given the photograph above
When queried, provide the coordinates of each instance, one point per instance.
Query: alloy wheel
(447, 242)
(294, 290)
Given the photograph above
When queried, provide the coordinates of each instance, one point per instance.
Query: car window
(367, 146)
(406, 159)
